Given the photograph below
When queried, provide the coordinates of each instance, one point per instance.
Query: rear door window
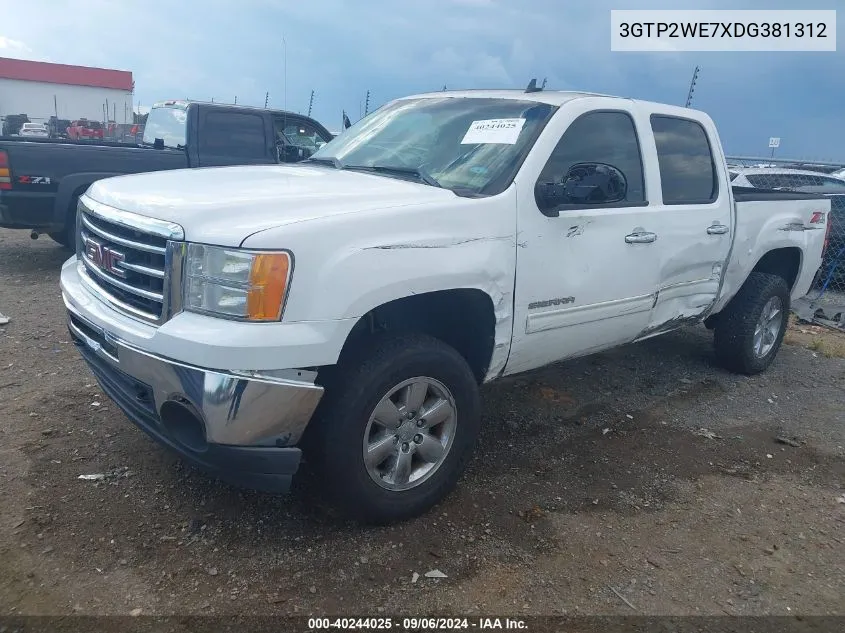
(167, 124)
(687, 169)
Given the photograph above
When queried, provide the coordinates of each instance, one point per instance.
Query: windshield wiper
(329, 160)
(418, 172)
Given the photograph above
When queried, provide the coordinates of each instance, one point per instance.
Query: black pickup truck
(41, 179)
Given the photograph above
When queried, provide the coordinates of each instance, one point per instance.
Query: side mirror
(584, 184)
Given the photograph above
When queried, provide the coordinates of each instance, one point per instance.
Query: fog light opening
(183, 425)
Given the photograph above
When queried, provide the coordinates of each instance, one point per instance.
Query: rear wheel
(749, 332)
(395, 428)
(67, 237)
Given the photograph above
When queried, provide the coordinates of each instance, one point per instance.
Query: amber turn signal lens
(268, 284)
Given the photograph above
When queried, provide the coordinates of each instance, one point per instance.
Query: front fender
(345, 266)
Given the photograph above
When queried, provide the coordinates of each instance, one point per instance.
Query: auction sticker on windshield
(504, 131)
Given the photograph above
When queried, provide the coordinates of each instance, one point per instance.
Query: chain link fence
(826, 300)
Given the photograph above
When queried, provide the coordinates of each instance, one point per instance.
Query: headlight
(238, 284)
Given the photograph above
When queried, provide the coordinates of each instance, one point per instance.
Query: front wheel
(395, 428)
(749, 333)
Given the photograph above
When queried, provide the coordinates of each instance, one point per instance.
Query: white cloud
(16, 48)
(468, 67)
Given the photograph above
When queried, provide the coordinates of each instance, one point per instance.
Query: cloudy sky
(339, 48)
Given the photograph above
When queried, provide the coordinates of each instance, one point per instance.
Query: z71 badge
(34, 180)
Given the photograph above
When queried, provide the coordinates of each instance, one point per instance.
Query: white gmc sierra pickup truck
(348, 308)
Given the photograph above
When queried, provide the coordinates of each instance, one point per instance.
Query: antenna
(367, 104)
(285, 97)
(266, 99)
(692, 86)
(311, 103)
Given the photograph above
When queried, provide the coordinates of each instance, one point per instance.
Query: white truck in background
(349, 307)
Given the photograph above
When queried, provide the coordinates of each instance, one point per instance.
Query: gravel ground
(645, 480)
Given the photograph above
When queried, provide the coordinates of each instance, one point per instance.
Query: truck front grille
(129, 261)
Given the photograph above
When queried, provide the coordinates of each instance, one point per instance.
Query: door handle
(640, 237)
(717, 229)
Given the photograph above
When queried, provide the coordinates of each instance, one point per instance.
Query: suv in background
(12, 124)
(57, 128)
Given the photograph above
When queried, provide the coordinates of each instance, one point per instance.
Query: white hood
(224, 205)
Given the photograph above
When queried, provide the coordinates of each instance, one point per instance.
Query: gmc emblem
(105, 258)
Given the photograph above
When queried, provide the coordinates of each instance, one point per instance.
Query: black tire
(735, 327)
(334, 440)
(67, 237)
(61, 237)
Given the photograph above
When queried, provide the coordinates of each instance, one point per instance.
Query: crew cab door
(234, 137)
(692, 215)
(586, 272)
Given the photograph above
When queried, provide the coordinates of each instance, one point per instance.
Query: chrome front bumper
(236, 410)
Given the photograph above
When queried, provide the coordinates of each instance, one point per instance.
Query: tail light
(817, 218)
(5, 175)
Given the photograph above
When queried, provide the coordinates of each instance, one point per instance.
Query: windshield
(472, 145)
(168, 124)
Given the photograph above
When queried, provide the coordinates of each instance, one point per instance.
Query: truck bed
(777, 220)
(64, 141)
(57, 170)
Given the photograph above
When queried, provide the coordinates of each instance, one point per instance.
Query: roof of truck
(184, 103)
(551, 97)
